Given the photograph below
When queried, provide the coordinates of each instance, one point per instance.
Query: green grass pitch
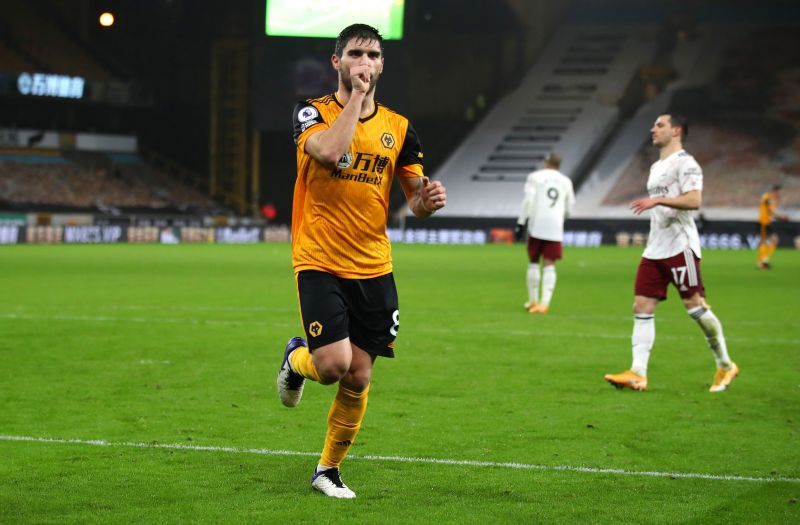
(146, 347)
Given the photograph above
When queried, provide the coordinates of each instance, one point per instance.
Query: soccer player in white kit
(672, 255)
(548, 201)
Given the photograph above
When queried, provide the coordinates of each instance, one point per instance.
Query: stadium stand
(593, 93)
(597, 88)
(739, 85)
(62, 161)
(46, 180)
(567, 102)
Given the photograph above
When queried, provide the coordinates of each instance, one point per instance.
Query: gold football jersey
(339, 215)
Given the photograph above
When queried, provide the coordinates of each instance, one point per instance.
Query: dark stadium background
(164, 61)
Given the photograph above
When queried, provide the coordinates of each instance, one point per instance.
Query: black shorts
(365, 310)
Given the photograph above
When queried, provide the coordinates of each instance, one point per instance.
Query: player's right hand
(519, 230)
(360, 76)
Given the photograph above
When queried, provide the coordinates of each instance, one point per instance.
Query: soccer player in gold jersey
(349, 149)
(767, 214)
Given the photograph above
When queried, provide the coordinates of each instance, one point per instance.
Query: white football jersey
(548, 201)
(672, 230)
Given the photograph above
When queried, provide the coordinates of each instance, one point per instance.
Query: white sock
(321, 467)
(533, 283)
(548, 284)
(713, 329)
(644, 334)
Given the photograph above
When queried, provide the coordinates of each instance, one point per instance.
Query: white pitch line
(419, 328)
(403, 459)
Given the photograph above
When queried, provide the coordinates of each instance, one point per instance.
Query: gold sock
(762, 252)
(344, 420)
(302, 363)
(770, 250)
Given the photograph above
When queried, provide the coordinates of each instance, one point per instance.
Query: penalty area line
(404, 459)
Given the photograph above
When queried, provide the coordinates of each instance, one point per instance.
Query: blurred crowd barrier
(723, 235)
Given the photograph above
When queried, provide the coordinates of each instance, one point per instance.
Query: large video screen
(326, 18)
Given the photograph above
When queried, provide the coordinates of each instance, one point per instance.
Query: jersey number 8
(396, 318)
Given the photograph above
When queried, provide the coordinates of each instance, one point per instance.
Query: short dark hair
(358, 31)
(680, 121)
(553, 159)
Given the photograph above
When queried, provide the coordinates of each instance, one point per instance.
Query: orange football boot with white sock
(723, 378)
(627, 379)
